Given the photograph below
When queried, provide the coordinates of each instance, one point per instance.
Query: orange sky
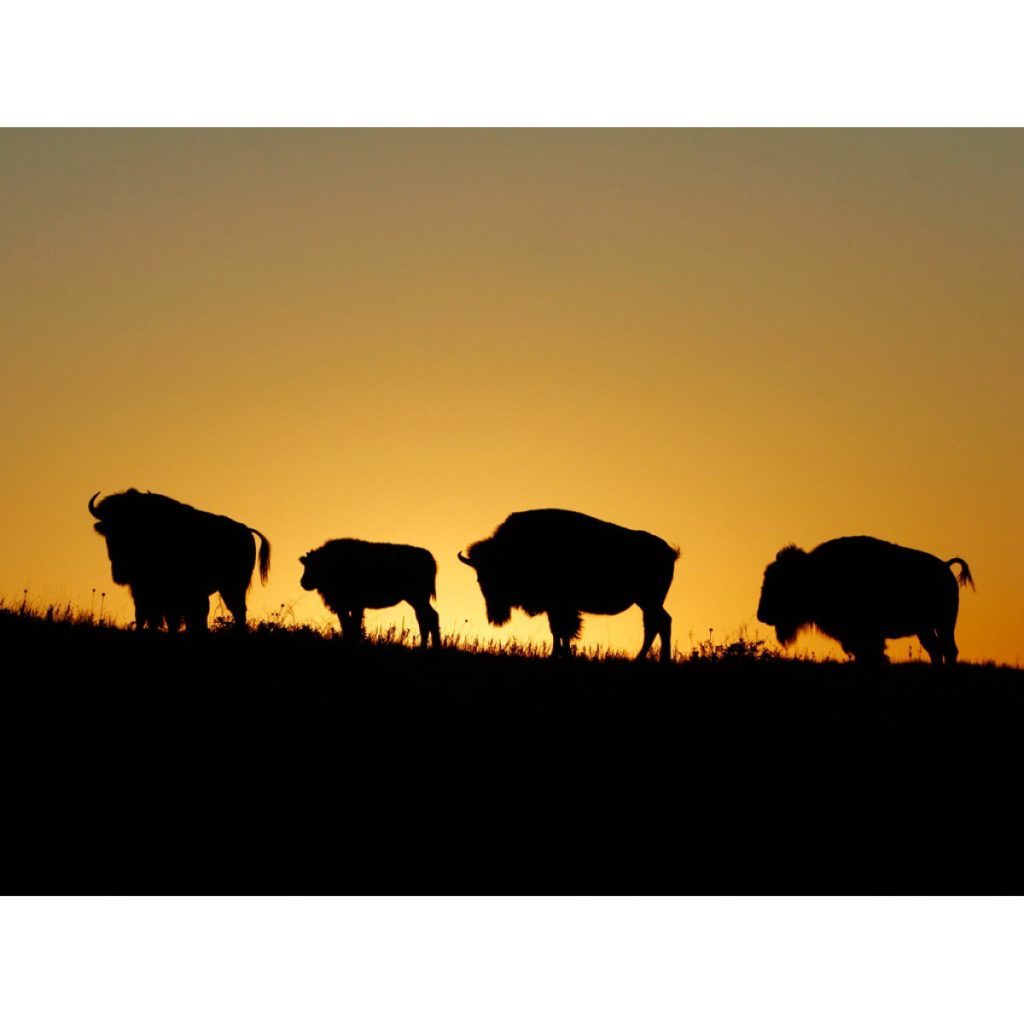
(733, 339)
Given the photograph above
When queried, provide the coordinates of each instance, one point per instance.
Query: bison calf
(861, 592)
(353, 575)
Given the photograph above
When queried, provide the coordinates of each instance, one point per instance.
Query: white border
(473, 959)
(398, 62)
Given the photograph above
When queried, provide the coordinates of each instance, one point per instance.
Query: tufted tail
(965, 573)
(264, 556)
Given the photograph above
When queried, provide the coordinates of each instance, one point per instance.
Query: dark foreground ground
(284, 762)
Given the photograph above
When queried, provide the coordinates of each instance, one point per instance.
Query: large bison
(564, 563)
(861, 592)
(173, 557)
(353, 575)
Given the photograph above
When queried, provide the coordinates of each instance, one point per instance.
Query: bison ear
(302, 559)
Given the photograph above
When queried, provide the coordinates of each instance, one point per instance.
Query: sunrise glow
(735, 340)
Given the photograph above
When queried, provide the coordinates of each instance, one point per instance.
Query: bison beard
(498, 614)
(783, 595)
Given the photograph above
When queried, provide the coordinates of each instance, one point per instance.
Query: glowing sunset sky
(733, 339)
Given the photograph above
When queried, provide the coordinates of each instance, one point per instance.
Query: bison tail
(264, 556)
(965, 573)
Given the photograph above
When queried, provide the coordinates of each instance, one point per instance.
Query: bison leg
(947, 646)
(657, 622)
(345, 624)
(234, 600)
(148, 614)
(351, 620)
(565, 627)
(197, 614)
(947, 650)
(430, 627)
(145, 618)
(930, 641)
(866, 650)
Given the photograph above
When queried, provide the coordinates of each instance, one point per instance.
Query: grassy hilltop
(284, 760)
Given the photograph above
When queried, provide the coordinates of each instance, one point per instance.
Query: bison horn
(92, 505)
(464, 559)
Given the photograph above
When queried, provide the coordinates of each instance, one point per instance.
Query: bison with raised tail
(173, 557)
(565, 563)
(862, 592)
(353, 575)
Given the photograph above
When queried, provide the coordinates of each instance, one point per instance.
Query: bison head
(120, 524)
(493, 579)
(311, 571)
(785, 595)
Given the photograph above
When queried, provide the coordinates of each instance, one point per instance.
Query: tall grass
(283, 624)
(65, 614)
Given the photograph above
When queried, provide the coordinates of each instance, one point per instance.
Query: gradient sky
(733, 339)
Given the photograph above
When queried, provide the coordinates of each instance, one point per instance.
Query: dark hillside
(282, 761)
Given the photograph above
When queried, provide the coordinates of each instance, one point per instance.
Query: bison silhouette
(565, 563)
(862, 592)
(353, 575)
(172, 557)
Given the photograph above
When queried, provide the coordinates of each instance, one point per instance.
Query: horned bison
(861, 592)
(172, 557)
(565, 563)
(353, 575)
